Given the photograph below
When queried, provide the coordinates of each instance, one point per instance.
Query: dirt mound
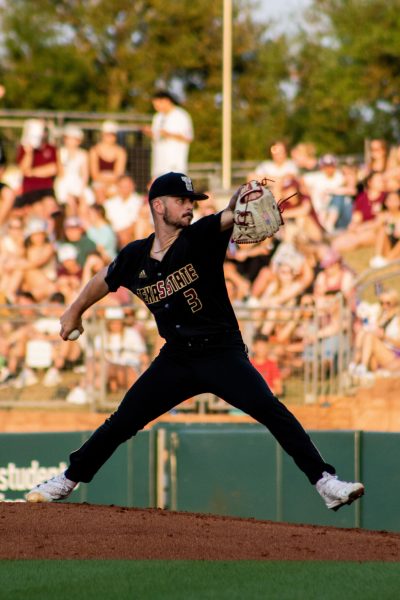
(77, 531)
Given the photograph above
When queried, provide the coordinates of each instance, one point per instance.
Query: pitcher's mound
(77, 531)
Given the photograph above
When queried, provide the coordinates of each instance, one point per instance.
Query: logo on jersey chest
(150, 294)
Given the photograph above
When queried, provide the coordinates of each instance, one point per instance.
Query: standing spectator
(107, 161)
(101, 232)
(172, 134)
(265, 363)
(75, 235)
(321, 185)
(74, 170)
(38, 162)
(123, 209)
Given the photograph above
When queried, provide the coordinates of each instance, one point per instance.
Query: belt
(212, 339)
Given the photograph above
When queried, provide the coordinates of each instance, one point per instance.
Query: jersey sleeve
(120, 271)
(207, 234)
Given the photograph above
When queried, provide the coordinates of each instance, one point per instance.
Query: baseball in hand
(75, 333)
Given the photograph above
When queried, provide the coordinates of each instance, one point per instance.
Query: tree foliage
(108, 55)
(347, 71)
(335, 82)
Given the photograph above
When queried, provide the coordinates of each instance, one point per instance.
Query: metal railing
(38, 369)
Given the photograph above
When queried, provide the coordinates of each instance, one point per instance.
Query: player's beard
(178, 223)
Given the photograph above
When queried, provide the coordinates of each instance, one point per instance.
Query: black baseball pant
(181, 371)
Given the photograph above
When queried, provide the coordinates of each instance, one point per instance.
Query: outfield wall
(236, 470)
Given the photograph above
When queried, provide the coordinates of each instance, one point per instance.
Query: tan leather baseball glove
(256, 215)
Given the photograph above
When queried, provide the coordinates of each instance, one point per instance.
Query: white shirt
(170, 154)
(321, 188)
(72, 182)
(269, 168)
(123, 213)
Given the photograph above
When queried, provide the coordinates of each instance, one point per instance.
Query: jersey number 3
(193, 300)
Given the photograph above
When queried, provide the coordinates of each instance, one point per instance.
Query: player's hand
(68, 322)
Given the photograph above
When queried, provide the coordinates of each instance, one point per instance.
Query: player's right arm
(93, 291)
(227, 214)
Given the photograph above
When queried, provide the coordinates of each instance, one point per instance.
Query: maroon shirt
(367, 207)
(45, 155)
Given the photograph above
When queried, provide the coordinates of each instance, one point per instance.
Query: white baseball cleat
(56, 488)
(336, 493)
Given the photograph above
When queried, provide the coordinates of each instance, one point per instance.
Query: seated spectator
(17, 333)
(144, 224)
(241, 285)
(335, 277)
(12, 248)
(7, 195)
(125, 351)
(73, 177)
(392, 171)
(278, 167)
(283, 293)
(249, 259)
(107, 161)
(264, 361)
(288, 252)
(362, 228)
(205, 207)
(69, 272)
(38, 162)
(377, 345)
(323, 337)
(294, 334)
(75, 235)
(35, 272)
(387, 246)
(376, 158)
(340, 207)
(101, 233)
(321, 185)
(298, 209)
(62, 355)
(123, 210)
(305, 158)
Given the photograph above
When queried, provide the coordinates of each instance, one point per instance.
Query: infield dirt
(84, 531)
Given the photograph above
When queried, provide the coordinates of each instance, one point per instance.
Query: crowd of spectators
(69, 211)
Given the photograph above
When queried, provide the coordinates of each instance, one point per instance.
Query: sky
(281, 9)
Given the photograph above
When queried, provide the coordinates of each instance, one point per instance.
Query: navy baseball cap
(177, 185)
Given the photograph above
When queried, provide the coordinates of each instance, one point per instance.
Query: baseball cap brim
(192, 195)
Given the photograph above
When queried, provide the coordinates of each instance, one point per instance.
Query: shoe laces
(60, 483)
(328, 483)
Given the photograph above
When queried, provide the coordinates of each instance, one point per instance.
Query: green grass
(197, 580)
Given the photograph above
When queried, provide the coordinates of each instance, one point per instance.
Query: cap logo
(188, 182)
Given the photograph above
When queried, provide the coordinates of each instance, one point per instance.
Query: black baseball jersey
(186, 290)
